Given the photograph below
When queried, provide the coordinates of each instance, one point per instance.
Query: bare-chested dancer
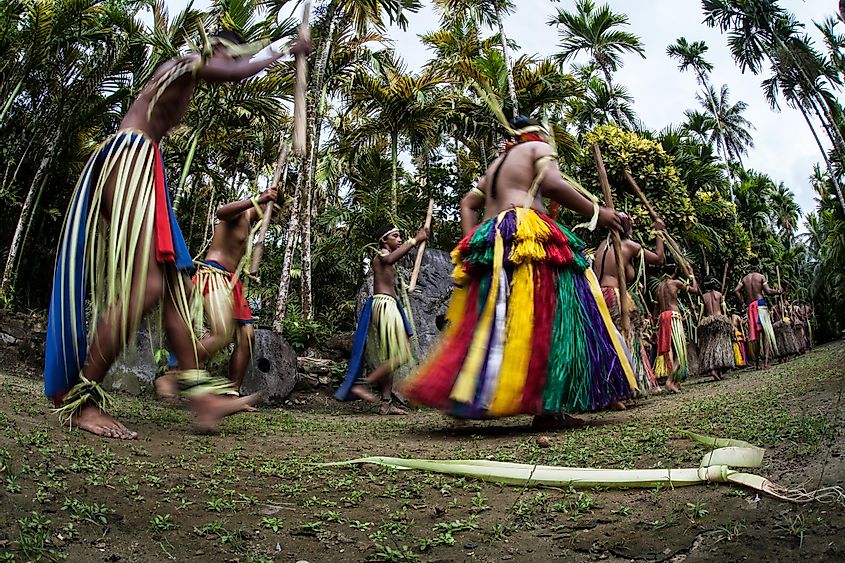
(715, 333)
(219, 281)
(139, 259)
(672, 360)
(605, 268)
(761, 333)
(528, 330)
(381, 340)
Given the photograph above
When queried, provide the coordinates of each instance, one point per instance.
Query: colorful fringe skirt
(529, 331)
(381, 336)
(760, 329)
(739, 349)
(98, 256)
(646, 381)
(672, 361)
(715, 338)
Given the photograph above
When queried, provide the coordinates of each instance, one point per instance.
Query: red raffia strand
(544, 312)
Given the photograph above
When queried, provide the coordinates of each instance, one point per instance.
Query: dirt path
(252, 494)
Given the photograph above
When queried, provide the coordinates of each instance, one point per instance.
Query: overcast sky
(784, 147)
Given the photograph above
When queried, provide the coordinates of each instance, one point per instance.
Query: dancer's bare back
(712, 303)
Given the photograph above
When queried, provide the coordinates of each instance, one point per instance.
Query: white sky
(784, 147)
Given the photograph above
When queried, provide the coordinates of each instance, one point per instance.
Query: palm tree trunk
(31, 219)
(719, 130)
(11, 100)
(508, 67)
(287, 259)
(614, 111)
(833, 177)
(394, 185)
(15, 247)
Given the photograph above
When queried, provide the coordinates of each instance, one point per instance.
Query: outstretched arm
(559, 190)
(232, 210)
(657, 257)
(471, 204)
(233, 70)
(693, 287)
(406, 247)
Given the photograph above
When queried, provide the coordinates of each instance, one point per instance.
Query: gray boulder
(272, 372)
(135, 369)
(429, 300)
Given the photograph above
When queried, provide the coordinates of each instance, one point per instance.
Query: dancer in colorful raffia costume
(715, 333)
(761, 333)
(740, 360)
(787, 345)
(798, 327)
(122, 252)
(634, 257)
(219, 306)
(529, 332)
(381, 339)
(672, 362)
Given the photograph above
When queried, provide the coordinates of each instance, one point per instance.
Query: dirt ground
(254, 494)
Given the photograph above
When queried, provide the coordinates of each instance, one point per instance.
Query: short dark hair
(383, 230)
(524, 121)
(230, 36)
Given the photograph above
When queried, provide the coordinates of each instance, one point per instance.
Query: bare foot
(166, 388)
(92, 419)
(363, 393)
(715, 375)
(552, 422)
(618, 406)
(672, 387)
(210, 409)
(244, 408)
(391, 409)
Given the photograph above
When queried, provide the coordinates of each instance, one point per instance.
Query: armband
(412, 241)
(478, 192)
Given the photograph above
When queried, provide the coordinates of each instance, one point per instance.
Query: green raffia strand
(525, 475)
(86, 391)
(568, 362)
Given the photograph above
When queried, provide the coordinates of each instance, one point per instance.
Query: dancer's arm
(738, 293)
(232, 210)
(405, 248)
(657, 257)
(471, 204)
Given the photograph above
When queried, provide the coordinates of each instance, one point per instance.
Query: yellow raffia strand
(531, 232)
(517, 354)
(467, 381)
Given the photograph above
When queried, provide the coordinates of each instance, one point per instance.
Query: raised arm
(471, 203)
(692, 287)
(657, 257)
(557, 189)
(232, 210)
(233, 70)
(404, 249)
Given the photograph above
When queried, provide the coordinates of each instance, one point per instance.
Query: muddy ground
(253, 493)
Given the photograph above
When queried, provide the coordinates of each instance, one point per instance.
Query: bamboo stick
(300, 87)
(418, 263)
(258, 250)
(617, 245)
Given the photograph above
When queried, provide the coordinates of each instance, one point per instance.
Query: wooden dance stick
(617, 245)
(676, 249)
(780, 288)
(258, 250)
(421, 250)
(300, 87)
(725, 277)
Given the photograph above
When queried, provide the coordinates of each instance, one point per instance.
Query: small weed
(271, 523)
(667, 522)
(89, 512)
(387, 553)
(697, 510)
(162, 523)
(730, 532)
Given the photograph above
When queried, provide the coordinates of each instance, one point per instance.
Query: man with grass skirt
(787, 345)
(122, 253)
(529, 332)
(381, 339)
(761, 333)
(634, 257)
(715, 333)
(218, 297)
(672, 361)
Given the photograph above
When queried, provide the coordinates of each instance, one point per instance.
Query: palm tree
(492, 14)
(785, 210)
(731, 128)
(594, 31)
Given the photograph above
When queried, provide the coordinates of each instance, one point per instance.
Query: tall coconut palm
(594, 30)
(490, 13)
(731, 132)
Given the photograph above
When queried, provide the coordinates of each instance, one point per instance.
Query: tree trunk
(507, 57)
(830, 171)
(15, 247)
(290, 250)
(394, 184)
(719, 130)
(31, 220)
(614, 111)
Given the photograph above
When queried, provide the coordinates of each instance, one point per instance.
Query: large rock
(272, 372)
(429, 300)
(135, 369)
